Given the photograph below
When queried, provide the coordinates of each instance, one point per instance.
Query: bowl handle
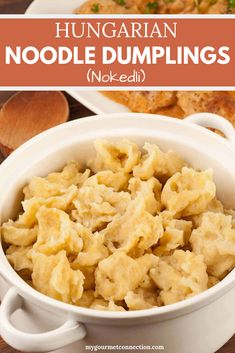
(214, 121)
(70, 332)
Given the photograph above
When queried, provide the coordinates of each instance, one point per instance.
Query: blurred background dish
(178, 104)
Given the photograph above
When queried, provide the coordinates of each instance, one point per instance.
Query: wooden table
(77, 110)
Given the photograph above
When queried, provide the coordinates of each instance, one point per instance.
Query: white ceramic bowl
(200, 324)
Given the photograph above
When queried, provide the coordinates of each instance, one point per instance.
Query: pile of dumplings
(136, 229)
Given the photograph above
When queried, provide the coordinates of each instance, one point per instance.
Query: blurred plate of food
(132, 7)
(172, 103)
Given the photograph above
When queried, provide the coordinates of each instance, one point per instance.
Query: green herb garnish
(231, 4)
(95, 8)
(213, 2)
(151, 7)
(121, 2)
(197, 3)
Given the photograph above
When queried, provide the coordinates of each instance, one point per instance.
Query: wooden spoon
(26, 114)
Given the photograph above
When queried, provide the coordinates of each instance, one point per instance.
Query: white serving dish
(200, 324)
(52, 7)
(93, 100)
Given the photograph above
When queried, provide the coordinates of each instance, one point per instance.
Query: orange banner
(117, 52)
